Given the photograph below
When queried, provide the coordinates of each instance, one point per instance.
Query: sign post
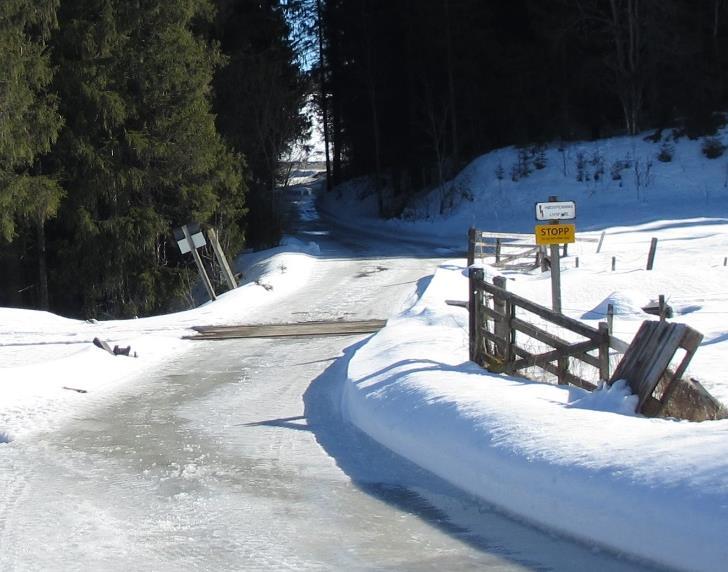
(554, 234)
(221, 259)
(189, 240)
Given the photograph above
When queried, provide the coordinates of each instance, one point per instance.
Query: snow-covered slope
(580, 463)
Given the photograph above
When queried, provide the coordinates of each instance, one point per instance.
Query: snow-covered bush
(713, 147)
(666, 153)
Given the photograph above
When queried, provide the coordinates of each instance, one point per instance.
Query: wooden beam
(336, 328)
(566, 351)
(559, 319)
(566, 376)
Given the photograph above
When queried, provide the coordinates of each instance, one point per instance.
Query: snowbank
(655, 489)
(47, 360)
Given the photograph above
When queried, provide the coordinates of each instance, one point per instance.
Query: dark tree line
(122, 119)
(414, 88)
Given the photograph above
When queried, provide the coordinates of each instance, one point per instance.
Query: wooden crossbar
(560, 352)
(498, 345)
(333, 328)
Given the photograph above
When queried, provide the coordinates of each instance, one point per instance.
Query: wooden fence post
(604, 333)
(651, 255)
(475, 295)
(497, 250)
(471, 246)
(614, 263)
(610, 318)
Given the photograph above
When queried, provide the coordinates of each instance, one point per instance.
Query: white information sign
(198, 239)
(561, 210)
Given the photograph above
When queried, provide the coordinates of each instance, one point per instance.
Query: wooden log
(336, 328)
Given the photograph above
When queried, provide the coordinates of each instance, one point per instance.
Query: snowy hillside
(621, 187)
(565, 459)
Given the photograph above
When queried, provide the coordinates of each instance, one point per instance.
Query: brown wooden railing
(498, 330)
(503, 250)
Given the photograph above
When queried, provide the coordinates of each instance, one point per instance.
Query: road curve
(236, 457)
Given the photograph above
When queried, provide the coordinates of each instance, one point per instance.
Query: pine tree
(29, 125)
(141, 149)
(259, 97)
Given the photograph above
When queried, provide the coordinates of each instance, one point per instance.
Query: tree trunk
(324, 99)
(451, 90)
(371, 82)
(627, 39)
(43, 300)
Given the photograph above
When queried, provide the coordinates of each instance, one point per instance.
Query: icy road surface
(236, 458)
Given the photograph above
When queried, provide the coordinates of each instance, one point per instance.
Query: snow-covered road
(235, 457)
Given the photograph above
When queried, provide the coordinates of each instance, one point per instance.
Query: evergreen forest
(414, 89)
(121, 120)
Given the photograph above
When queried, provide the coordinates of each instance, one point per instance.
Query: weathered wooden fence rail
(516, 251)
(509, 333)
(497, 333)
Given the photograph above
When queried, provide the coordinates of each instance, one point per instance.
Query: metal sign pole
(198, 261)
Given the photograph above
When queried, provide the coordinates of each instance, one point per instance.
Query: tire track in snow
(13, 485)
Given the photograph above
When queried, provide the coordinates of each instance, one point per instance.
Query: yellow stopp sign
(555, 233)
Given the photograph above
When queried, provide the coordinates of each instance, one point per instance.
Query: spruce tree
(29, 125)
(141, 149)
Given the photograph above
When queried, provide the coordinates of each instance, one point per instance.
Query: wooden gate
(512, 251)
(500, 339)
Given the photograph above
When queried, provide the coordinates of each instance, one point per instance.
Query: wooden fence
(498, 332)
(514, 251)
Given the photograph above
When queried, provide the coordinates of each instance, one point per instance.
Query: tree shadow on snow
(398, 482)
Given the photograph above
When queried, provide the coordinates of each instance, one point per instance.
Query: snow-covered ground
(580, 463)
(45, 357)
